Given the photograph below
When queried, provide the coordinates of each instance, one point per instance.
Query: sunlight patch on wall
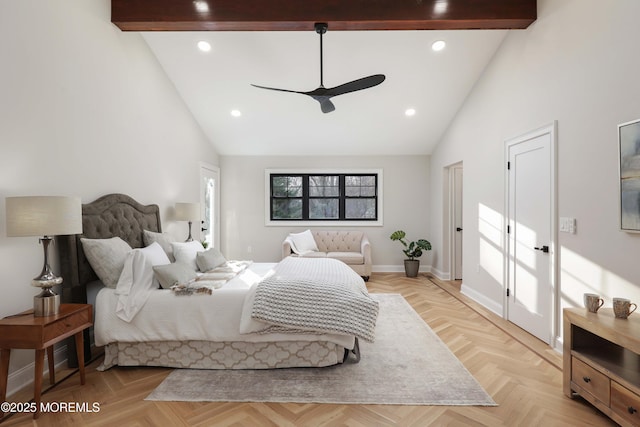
(490, 227)
(579, 275)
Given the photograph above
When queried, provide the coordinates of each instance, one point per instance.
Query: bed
(217, 331)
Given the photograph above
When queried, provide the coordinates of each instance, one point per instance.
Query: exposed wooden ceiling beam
(301, 15)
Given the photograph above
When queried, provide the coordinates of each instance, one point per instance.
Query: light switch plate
(568, 225)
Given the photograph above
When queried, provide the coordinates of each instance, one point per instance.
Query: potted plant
(412, 250)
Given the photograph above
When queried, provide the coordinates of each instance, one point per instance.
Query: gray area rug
(407, 365)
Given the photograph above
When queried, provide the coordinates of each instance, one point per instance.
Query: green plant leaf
(397, 235)
(413, 249)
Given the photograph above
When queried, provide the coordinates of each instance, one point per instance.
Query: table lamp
(188, 212)
(44, 216)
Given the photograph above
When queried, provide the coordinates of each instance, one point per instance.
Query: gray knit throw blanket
(316, 295)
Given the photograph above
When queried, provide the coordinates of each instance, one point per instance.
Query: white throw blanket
(134, 286)
(321, 295)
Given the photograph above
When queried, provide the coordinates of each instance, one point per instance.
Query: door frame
(452, 220)
(216, 171)
(550, 129)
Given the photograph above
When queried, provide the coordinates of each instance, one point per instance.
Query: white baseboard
(442, 275)
(24, 376)
(397, 268)
(481, 299)
(559, 344)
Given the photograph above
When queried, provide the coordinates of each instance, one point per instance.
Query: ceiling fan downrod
(321, 28)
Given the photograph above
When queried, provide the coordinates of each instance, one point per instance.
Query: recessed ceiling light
(437, 46)
(236, 113)
(204, 46)
(201, 6)
(440, 7)
(410, 112)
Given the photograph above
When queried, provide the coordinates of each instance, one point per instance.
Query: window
(323, 196)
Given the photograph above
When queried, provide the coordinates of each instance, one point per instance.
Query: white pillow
(106, 257)
(187, 252)
(163, 239)
(303, 242)
(155, 255)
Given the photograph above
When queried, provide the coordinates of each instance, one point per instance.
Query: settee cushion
(351, 258)
(314, 254)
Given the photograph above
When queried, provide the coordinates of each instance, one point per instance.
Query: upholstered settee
(351, 247)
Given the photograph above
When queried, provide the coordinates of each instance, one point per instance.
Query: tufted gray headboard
(112, 215)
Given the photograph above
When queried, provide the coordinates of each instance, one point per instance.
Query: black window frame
(342, 197)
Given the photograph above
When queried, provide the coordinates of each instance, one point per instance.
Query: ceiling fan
(324, 95)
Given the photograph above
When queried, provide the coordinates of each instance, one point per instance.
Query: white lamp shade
(188, 211)
(43, 216)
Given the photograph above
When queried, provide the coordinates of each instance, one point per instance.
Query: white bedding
(201, 317)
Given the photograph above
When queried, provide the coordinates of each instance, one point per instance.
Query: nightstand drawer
(67, 324)
(590, 380)
(625, 403)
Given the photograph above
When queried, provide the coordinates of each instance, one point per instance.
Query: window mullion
(305, 197)
(341, 197)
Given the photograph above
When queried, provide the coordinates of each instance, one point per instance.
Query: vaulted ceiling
(273, 43)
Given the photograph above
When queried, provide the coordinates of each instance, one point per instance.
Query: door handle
(544, 249)
(458, 229)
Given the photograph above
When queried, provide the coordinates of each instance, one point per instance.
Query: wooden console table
(601, 357)
(41, 333)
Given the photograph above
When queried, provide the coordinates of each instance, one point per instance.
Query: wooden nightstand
(26, 331)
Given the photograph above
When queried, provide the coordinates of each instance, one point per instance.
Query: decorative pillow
(303, 242)
(186, 252)
(163, 239)
(176, 273)
(106, 257)
(209, 259)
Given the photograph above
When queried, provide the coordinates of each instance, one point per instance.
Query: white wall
(85, 110)
(406, 204)
(576, 64)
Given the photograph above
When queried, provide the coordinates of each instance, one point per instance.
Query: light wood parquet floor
(521, 374)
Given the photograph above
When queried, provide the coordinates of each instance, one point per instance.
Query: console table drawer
(625, 403)
(590, 380)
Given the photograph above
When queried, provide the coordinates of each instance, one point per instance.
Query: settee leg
(365, 278)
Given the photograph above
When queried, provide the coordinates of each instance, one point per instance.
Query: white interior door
(530, 269)
(457, 223)
(210, 204)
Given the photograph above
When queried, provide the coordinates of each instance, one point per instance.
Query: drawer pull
(586, 379)
(632, 410)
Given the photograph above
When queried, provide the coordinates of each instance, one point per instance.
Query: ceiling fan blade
(279, 90)
(318, 94)
(355, 85)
